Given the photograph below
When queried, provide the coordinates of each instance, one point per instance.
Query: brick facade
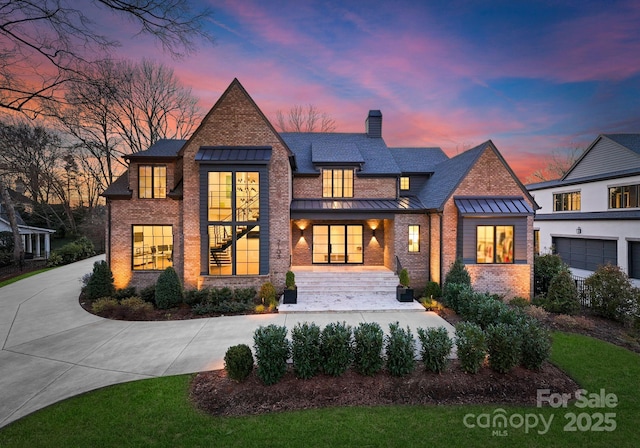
(310, 187)
(416, 263)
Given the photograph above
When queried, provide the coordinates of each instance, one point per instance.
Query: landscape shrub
(436, 348)
(400, 350)
(238, 362)
(6, 257)
(545, 268)
(335, 348)
(123, 293)
(305, 350)
(100, 284)
(148, 294)
(245, 295)
(168, 289)
(504, 343)
(457, 274)
(104, 305)
(457, 296)
(471, 346)
(536, 312)
(272, 351)
(432, 290)
(404, 277)
(611, 292)
(519, 302)
(268, 295)
(194, 297)
(563, 295)
(290, 280)
(220, 295)
(536, 345)
(134, 308)
(368, 340)
(71, 252)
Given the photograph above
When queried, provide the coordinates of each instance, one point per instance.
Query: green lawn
(21, 276)
(157, 413)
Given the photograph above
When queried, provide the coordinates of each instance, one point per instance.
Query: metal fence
(15, 269)
(541, 287)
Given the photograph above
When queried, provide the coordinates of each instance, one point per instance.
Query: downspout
(441, 247)
(430, 246)
(109, 232)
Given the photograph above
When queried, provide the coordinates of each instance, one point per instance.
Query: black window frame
(153, 180)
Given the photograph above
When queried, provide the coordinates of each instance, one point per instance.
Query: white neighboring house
(591, 215)
(36, 241)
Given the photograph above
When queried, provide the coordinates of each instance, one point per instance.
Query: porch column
(47, 245)
(28, 248)
(37, 245)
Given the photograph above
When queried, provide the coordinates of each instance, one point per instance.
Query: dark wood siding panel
(606, 156)
(634, 259)
(587, 254)
(265, 230)
(467, 236)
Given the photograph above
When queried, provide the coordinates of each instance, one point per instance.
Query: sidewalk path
(52, 349)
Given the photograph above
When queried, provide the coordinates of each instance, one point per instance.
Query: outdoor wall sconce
(373, 233)
(578, 230)
(301, 233)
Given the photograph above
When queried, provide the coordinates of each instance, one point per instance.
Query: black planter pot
(404, 294)
(290, 296)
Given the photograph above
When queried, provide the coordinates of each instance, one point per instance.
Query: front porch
(359, 288)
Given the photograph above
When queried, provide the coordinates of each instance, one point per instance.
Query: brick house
(239, 204)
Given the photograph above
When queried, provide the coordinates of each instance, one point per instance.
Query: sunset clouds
(534, 78)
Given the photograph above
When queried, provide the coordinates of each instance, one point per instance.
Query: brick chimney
(373, 124)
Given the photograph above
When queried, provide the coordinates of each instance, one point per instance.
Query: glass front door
(337, 244)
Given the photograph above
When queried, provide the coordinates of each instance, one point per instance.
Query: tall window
(536, 241)
(404, 183)
(233, 215)
(627, 196)
(494, 244)
(337, 183)
(414, 238)
(152, 181)
(565, 202)
(152, 247)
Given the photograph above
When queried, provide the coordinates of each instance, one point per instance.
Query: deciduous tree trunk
(13, 222)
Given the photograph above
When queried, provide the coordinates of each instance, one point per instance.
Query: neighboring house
(36, 241)
(239, 204)
(591, 216)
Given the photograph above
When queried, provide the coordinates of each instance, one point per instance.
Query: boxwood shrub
(305, 350)
(335, 348)
(367, 348)
(238, 362)
(400, 350)
(436, 348)
(272, 351)
(471, 346)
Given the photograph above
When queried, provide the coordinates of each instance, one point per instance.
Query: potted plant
(403, 292)
(291, 290)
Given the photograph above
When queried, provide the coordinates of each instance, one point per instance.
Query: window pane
(414, 238)
(337, 183)
(219, 196)
(320, 244)
(504, 249)
(145, 182)
(404, 183)
(247, 196)
(354, 244)
(247, 250)
(159, 181)
(152, 247)
(348, 184)
(485, 245)
(220, 250)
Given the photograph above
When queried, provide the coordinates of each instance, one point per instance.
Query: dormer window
(152, 181)
(337, 183)
(404, 183)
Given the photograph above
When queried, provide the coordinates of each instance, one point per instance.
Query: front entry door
(337, 244)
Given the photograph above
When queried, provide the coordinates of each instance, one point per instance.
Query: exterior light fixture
(301, 233)
(373, 233)
(578, 230)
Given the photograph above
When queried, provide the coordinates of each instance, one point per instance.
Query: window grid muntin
(337, 183)
(152, 247)
(625, 196)
(404, 183)
(565, 202)
(414, 238)
(152, 181)
(495, 244)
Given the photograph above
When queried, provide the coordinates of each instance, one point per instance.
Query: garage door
(634, 259)
(588, 254)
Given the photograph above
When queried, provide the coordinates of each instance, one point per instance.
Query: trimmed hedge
(471, 343)
(272, 351)
(367, 348)
(305, 350)
(168, 292)
(436, 348)
(504, 343)
(400, 350)
(335, 348)
(238, 362)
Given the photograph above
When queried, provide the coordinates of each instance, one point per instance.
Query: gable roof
(630, 142)
(418, 160)
(315, 148)
(4, 216)
(448, 175)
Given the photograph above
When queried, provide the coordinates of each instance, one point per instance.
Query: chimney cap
(375, 113)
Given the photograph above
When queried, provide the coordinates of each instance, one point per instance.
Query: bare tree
(304, 119)
(44, 44)
(13, 219)
(557, 166)
(153, 105)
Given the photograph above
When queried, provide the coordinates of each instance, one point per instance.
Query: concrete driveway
(52, 349)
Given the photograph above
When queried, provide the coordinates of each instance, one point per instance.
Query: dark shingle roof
(5, 216)
(376, 157)
(335, 153)
(631, 141)
(119, 188)
(447, 176)
(418, 160)
(161, 148)
(585, 179)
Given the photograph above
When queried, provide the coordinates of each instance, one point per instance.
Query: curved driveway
(52, 349)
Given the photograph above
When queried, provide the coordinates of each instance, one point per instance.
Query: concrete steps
(346, 288)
